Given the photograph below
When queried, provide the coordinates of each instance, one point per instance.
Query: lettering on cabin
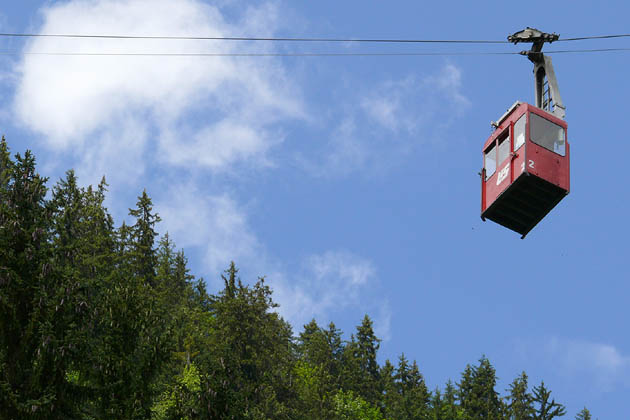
(503, 173)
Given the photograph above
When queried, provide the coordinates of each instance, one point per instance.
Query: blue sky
(351, 182)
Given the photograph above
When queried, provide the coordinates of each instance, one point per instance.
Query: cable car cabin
(526, 168)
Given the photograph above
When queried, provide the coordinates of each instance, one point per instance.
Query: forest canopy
(99, 321)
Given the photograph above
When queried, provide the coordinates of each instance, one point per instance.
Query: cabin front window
(547, 134)
(490, 161)
(504, 148)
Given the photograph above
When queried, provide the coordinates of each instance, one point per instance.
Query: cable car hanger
(550, 99)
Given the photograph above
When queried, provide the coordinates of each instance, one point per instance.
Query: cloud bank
(207, 112)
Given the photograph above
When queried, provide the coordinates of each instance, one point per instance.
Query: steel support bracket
(547, 97)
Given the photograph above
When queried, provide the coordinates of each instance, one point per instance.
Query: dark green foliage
(584, 414)
(545, 409)
(36, 305)
(520, 402)
(477, 396)
(318, 370)
(105, 322)
(247, 366)
(405, 393)
(361, 372)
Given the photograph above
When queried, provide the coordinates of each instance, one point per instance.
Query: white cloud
(326, 284)
(602, 365)
(330, 283)
(216, 224)
(208, 111)
(449, 83)
(581, 355)
(389, 106)
(383, 321)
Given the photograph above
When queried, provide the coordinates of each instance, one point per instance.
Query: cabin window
(547, 134)
(519, 132)
(504, 148)
(490, 161)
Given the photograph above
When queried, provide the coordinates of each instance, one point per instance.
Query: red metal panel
(544, 163)
(506, 172)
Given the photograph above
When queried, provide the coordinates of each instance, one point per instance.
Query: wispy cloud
(317, 286)
(386, 125)
(601, 364)
(391, 104)
(215, 224)
(604, 362)
(331, 283)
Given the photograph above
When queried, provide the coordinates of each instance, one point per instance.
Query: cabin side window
(504, 147)
(519, 132)
(490, 160)
(547, 134)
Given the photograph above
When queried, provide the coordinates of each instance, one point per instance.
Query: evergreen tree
(317, 370)
(406, 395)
(438, 409)
(546, 410)
(134, 341)
(449, 401)
(36, 317)
(361, 370)
(477, 396)
(519, 402)
(246, 371)
(352, 407)
(143, 238)
(584, 414)
(392, 399)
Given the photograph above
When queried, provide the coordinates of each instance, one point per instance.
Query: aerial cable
(292, 39)
(221, 38)
(582, 38)
(301, 54)
(305, 54)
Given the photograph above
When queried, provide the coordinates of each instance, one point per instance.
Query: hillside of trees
(99, 321)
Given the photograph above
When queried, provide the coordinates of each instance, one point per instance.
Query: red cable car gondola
(526, 159)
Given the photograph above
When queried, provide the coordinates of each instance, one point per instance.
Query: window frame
(524, 118)
(501, 139)
(531, 122)
(505, 135)
(492, 147)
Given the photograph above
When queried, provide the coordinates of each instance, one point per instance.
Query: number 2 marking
(531, 164)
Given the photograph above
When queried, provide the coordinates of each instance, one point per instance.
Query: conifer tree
(247, 368)
(35, 314)
(546, 410)
(449, 401)
(584, 414)
(143, 235)
(519, 402)
(478, 398)
(361, 370)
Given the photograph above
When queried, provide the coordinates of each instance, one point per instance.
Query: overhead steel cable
(583, 38)
(221, 38)
(594, 50)
(305, 54)
(293, 39)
